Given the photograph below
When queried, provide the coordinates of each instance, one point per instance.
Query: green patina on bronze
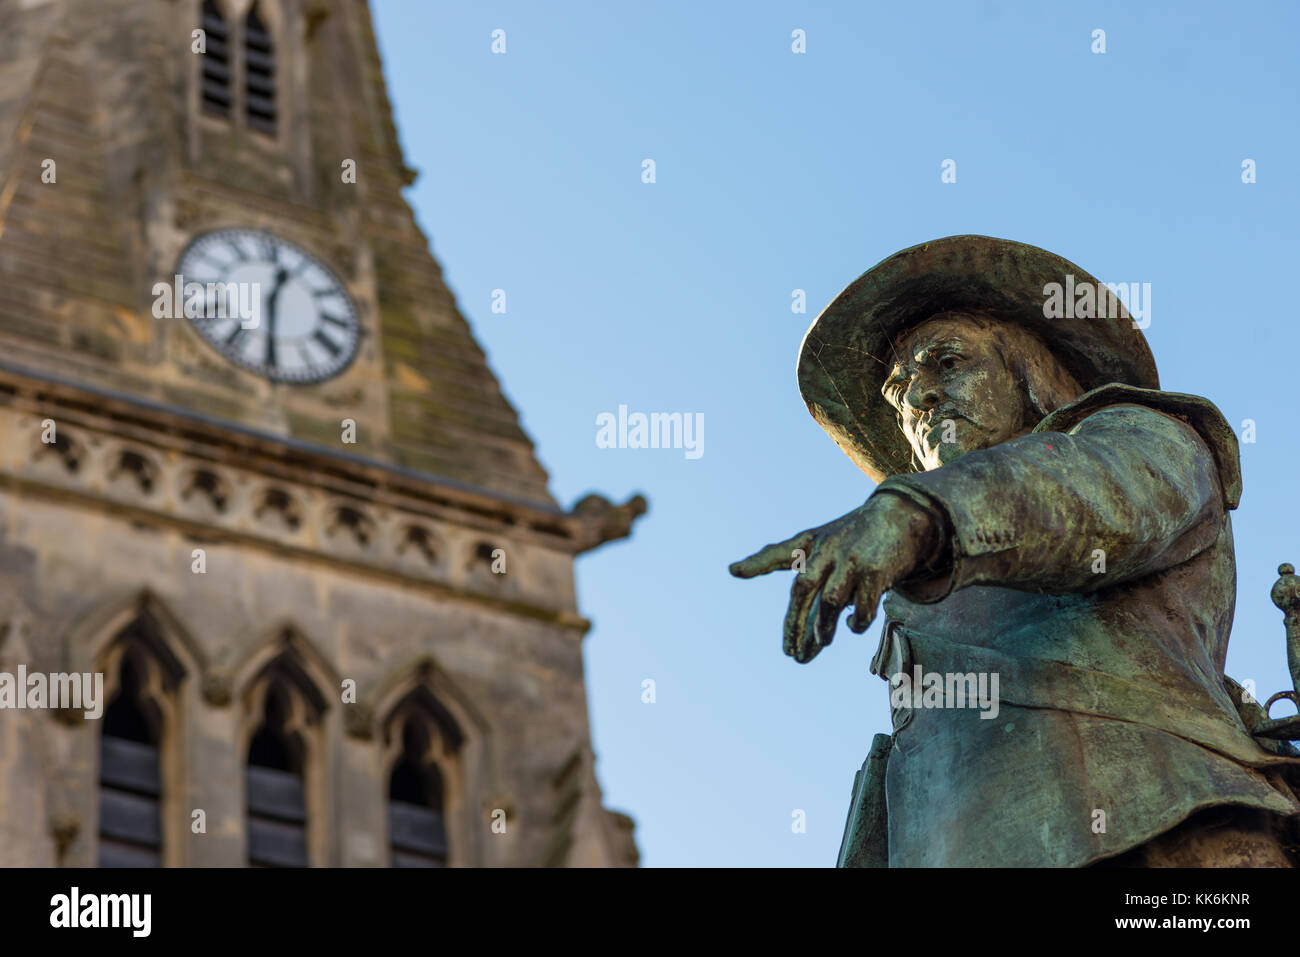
(1045, 515)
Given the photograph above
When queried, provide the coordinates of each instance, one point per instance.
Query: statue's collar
(1201, 414)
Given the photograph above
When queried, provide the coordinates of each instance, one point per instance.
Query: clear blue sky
(776, 172)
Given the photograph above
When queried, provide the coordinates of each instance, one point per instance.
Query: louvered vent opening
(417, 836)
(277, 806)
(130, 785)
(216, 62)
(259, 74)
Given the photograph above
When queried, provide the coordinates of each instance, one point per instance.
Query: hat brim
(845, 355)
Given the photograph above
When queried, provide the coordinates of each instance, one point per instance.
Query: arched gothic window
(274, 776)
(417, 833)
(215, 92)
(422, 752)
(130, 772)
(259, 73)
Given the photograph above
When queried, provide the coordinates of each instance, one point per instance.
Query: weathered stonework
(425, 565)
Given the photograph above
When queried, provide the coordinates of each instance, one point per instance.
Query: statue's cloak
(1093, 571)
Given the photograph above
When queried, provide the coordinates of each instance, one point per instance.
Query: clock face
(305, 327)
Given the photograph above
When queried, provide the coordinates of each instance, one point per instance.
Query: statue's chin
(943, 454)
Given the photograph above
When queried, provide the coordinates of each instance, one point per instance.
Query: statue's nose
(923, 393)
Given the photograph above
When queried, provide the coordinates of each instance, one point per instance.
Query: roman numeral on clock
(238, 335)
(304, 360)
(320, 337)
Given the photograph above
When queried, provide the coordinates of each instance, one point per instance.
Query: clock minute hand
(281, 275)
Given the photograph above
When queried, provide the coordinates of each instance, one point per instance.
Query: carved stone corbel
(601, 521)
(218, 686)
(359, 720)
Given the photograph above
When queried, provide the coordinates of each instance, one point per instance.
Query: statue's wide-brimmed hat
(846, 353)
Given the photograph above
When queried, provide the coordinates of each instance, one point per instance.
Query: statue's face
(953, 391)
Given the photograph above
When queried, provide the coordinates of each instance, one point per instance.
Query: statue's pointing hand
(850, 561)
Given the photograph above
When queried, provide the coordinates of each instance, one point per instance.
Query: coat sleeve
(1129, 484)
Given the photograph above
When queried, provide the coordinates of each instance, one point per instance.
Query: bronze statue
(1048, 518)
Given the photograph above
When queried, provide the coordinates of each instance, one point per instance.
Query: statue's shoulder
(1198, 412)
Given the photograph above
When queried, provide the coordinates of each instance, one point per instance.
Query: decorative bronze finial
(1286, 595)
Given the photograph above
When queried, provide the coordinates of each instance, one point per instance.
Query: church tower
(256, 476)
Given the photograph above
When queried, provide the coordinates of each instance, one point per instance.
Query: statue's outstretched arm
(1033, 513)
(1030, 513)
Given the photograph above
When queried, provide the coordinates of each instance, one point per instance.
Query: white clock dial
(306, 326)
